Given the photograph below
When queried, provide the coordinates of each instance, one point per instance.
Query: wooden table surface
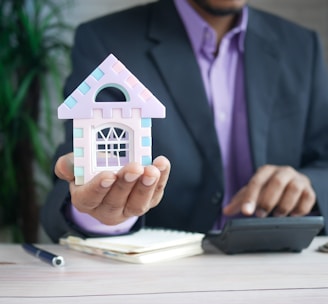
(213, 277)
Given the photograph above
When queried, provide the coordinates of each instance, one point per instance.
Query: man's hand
(282, 190)
(113, 198)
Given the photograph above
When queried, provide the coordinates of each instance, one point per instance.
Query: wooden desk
(212, 277)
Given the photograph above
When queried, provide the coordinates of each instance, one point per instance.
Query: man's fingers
(64, 168)
(306, 203)
(111, 210)
(290, 197)
(280, 189)
(139, 201)
(164, 166)
(248, 208)
(256, 185)
(90, 195)
(283, 180)
(235, 206)
(247, 198)
(112, 198)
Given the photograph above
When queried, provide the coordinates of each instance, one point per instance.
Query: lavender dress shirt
(222, 72)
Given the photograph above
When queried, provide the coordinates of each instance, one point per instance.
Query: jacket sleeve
(315, 164)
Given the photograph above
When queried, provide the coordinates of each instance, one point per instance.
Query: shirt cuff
(92, 225)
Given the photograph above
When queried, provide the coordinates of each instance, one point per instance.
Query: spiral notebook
(144, 246)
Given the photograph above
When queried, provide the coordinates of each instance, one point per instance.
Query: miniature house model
(109, 134)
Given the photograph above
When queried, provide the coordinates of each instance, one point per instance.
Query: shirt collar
(202, 35)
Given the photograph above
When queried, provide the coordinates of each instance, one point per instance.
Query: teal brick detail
(122, 89)
(146, 122)
(78, 171)
(146, 160)
(97, 73)
(78, 133)
(146, 141)
(84, 88)
(70, 102)
(78, 152)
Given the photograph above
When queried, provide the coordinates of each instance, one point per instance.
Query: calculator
(269, 234)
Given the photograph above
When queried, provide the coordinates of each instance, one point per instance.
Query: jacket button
(216, 199)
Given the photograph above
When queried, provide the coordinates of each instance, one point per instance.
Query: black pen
(45, 256)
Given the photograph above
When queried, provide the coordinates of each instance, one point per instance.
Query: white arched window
(112, 147)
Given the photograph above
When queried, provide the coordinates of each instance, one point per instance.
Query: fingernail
(161, 168)
(106, 183)
(249, 207)
(278, 214)
(148, 180)
(261, 213)
(131, 177)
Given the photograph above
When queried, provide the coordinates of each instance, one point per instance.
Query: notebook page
(145, 240)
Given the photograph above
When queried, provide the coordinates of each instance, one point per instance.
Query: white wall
(310, 13)
(83, 10)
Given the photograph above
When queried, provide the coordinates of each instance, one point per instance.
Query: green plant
(32, 49)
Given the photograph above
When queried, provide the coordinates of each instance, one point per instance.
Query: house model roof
(111, 73)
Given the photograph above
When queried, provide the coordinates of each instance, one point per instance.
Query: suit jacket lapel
(261, 76)
(183, 79)
(260, 80)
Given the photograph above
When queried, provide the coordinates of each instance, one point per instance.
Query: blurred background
(35, 39)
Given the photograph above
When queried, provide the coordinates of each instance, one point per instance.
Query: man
(246, 129)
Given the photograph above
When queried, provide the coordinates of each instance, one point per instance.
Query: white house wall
(84, 152)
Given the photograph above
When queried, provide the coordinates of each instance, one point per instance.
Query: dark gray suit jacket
(287, 104)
